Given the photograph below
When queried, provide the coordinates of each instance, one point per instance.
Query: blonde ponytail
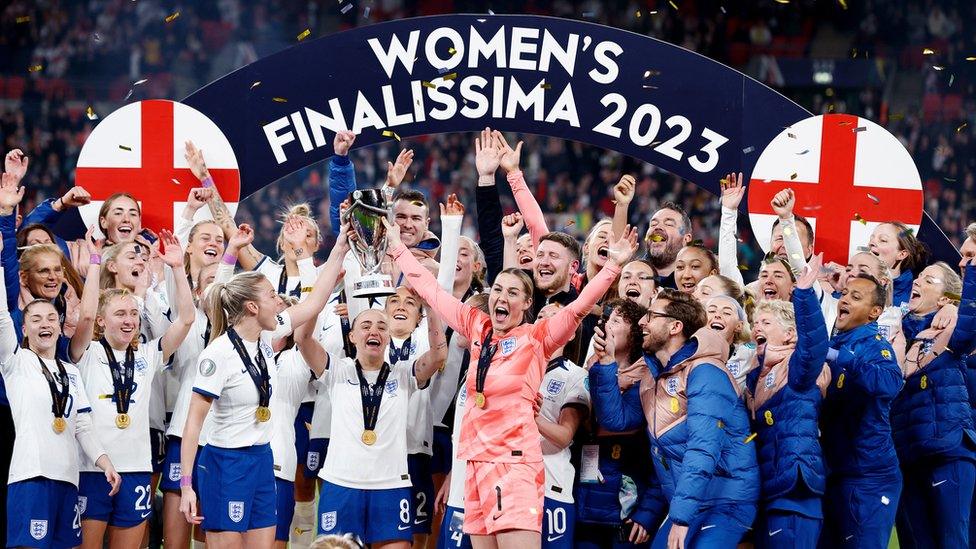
(224, 301)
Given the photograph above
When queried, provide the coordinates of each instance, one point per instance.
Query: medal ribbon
(59, 397)
(371, 396)
(403, 353)
(123, 377)
(484, 361)
(259, 373)
(283, 284)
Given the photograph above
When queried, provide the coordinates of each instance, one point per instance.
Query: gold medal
(369, 437)
(59, 424)
(263, 413)
(479, 400)
(122, 421)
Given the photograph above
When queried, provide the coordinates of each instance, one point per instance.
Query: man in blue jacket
(864, 481)
(696, 421)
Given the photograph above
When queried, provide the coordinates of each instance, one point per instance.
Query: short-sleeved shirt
(350, 462)
(129, 448)
(222, 376)
(38, 450)
(293, 378)
(565, 384)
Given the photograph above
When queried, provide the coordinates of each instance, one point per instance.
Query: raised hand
(392, 234)
(811, 273)
(343, 142)
(194, 157)
(396, 171)
(199, 197)
(453, 207)
(512, 225)
(487, 155)
(11, 193)
(623, 191)
(783, 203)
(241, 239)
(15, 163)
(603, 345)
(172, 253)
(93, 244)
(624, 247)
(509, 160)
(732, 191)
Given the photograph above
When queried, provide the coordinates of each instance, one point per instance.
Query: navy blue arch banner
(614, 89)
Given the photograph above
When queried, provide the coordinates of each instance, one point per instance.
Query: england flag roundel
(848, 174)
(139, 149)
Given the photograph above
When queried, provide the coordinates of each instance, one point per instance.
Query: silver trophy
(368, 209)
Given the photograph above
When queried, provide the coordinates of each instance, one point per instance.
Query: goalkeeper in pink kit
(504, 487)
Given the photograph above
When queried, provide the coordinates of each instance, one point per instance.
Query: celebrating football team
(527, 390)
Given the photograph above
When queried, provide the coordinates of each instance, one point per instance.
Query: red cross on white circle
(848, 175)
(138, 149)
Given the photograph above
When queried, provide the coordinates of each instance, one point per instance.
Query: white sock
(303, 525)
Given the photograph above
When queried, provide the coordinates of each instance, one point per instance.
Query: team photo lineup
(500, 338)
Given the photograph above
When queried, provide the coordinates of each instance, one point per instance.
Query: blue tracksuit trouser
(860, 511)
(717, 527)
(935, 504)
(778, 529)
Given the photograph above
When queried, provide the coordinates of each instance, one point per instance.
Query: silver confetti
(861, 129)
(748, 150)
(804, 151)
(366, 11)
(346, 8)
(874, 199)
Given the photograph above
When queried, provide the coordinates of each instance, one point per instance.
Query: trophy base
(374, 285)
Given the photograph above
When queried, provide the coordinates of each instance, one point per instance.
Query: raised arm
(324, 284)
(561, 327)
(623, 195)
(180, 327)
(488, 204)
(728, 240)
(511, 228)
(10, 195)
(964, 335)
(195, 200)
(783, 204)
(808, 359)
(342, 176)
(8, 333)
(450, 309)
(434, 359)
(452, 215)
(89, 299)
(312, 351)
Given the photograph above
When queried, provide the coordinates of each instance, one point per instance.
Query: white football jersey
(565, 384)
(185, 363)
(444, 385)
(38, 450)
(293, 377)
(420, 420)
(459, 467)
(328, 332)
(129, 448)
(154, 319)
(350, 462)
(222, 376)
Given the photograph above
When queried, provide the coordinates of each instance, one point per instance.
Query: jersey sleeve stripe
(205, 393)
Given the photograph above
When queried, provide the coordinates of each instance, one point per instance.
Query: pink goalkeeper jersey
(504, 430)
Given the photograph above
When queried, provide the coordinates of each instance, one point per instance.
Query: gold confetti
(792, 177)
(673, 5)
(545, 86)
(304, 34)
(255, 84)
(427, 84)
(750, 438)
(91, 113)
(743, 267)
(843, 3)
(638, 14)
(124, 148)
(172, 17)
(874, 199)
(960, 128)
(845, 124)
(896, 116)
(451, 51)
(451, 76)
(388, 133)
(857, 217)
(854, 53)
(928, 51)
(23, 19)
(723, 181)
(34, 68)
(782, 1)
(279, 99)
(830, 107)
